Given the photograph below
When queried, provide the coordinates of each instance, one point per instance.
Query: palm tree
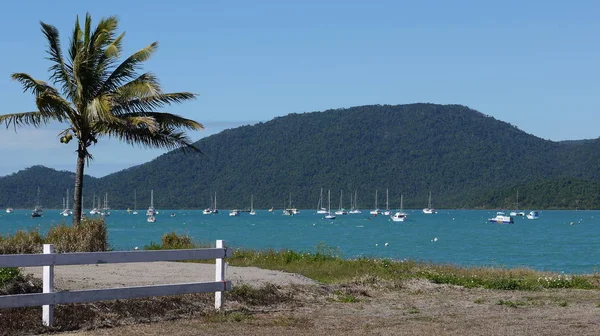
(99, 96)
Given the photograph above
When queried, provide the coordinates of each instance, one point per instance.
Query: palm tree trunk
(77, 206)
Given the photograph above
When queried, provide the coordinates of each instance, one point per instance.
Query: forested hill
(467, 160)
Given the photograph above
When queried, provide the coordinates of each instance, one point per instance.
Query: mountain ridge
(462, 155)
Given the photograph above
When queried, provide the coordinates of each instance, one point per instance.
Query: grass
(9, 274)
(326, 265)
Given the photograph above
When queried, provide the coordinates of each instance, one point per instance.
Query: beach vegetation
(90, 236)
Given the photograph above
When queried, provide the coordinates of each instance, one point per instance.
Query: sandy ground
(412, 307)
(81, 277)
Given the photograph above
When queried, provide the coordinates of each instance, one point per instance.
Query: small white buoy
(435, 239)
(386, 244)
(136, 248)
(376, 244)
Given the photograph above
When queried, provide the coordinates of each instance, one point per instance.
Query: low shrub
(89, 236)
(173, 241)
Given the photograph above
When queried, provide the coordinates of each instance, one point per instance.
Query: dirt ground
(414, 307)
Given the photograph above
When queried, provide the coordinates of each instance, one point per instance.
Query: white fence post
(219, 276)
(48, 286)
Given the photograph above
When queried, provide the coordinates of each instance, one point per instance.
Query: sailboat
(400, 216)
(329, 215)
(320, 208)
(66, 211)
(37, 210)
(376, 211)
(209, 210)
(429, 209)
(105, 209)
(289, 211)
(387, 203)
(341, 211)
(135, 212)
(252, 212)
(517, 212)
(151, 210)
(354, 208)
(94, 209)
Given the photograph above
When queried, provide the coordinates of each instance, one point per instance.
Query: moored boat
(533, 215)
(501, 218)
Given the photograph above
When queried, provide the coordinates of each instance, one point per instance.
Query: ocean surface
(559, 241)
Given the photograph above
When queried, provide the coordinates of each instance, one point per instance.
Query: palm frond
(25, 119)
(127, 70)
(168, 120)
(151, 103)
(37, 87)
(60, 72)
(165, 138)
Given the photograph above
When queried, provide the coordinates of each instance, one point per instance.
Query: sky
(533, 64)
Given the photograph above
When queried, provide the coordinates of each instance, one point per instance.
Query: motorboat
(533, 215)
(9, 210)
(234, 213)
(37, 212)
(501, 218)
(400, 216)
(151, 219)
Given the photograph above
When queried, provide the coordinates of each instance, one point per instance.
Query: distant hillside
(467, 160)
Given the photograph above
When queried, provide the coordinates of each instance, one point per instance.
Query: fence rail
(49, 259)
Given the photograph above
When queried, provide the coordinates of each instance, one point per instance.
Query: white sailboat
(354, 209)
(376, 211)
(94, 209)
(429, 209)
(66, 211)
(320, 208)
(252, 212)
(400, 216)
(151, 210)
(105, 209)
(290, 211)
(387, 203)
(329, 215)
(517, 212)
(341, 210)
(135, 212)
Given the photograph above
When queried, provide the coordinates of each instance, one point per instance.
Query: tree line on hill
(465, 158)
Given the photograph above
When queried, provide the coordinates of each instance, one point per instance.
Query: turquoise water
(464, 237)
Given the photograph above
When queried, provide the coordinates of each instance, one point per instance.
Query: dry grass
(89, 236)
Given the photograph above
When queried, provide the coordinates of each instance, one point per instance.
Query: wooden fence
(49, 259)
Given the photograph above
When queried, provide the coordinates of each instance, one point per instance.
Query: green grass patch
(326, 265)
(9, 274)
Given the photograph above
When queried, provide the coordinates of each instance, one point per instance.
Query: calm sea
(560, 241)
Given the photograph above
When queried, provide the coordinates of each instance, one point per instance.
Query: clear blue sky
(534, 64)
